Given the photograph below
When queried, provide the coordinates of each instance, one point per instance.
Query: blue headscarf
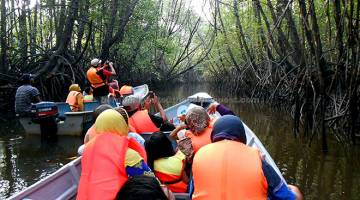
(228, 127)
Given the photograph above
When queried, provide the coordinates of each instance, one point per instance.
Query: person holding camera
(98, 76)
(140, 120)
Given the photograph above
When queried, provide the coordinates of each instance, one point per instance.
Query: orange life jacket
(103, 166)
(142, 123)
(132, 129)
(203, 138)
(94, 79)
(170, 170)
(91, 132)
(228, 170)
(72, 100)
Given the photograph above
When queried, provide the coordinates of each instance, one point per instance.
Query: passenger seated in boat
(88, 95)
(228, 169)
(144, 187)
(75, 99)
(25, 95)
(110, 158)
(168, 165)
(134, 135)
(91, 131)
(199, 125)
(142, 121)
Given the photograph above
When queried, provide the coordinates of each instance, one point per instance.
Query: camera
(151, 94)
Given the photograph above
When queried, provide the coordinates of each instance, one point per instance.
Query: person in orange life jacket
(199, 126)
(131, 134)
(110, 158)
(91, 133)
(168, 165)
(98, 75)
(237, 171)
(144, 187)
(199, 123)
(88, 95)
(75, 99)
(141, 120)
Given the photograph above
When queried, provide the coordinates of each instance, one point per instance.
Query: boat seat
(90, 106)
(63, 108)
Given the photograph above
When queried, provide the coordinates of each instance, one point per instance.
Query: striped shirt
(25, 95)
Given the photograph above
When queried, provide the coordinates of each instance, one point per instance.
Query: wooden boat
(62, 185)
(74, 123)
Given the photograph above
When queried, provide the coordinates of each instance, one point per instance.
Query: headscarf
(110, 121)
(228, 127)
(197, 119)
(123, 113)
(74, 87)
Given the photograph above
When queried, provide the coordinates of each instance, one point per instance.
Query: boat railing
(61, 185)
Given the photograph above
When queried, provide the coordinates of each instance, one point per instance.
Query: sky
(200, 7)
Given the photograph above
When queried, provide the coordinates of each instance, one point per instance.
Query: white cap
(95, 62)
(131, 102)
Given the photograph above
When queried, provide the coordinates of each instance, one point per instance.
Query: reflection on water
(24, 160)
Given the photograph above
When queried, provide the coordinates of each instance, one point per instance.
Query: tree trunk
(83, 17)
(61, 22)
(241, 37)
(3, 45)
(229, 51)
(109, 39)
(23, 34)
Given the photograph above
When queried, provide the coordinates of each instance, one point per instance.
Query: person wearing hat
(75, 99)
(110, 158)
(142, 121)
(98, 76)
(126, 90)
(237, 171)
(25, 95)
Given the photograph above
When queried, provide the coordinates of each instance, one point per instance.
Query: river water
(336, 175)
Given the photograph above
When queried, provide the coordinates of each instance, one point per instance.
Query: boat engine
(45, 113)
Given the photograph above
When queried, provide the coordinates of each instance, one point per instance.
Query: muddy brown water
(336, 175)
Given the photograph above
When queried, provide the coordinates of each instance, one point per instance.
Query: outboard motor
(46, 113)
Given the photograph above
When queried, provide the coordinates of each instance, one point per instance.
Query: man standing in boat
(25, 95)
(98, 76)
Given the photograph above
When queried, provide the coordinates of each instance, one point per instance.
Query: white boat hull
(75, 123)
(72, 125)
